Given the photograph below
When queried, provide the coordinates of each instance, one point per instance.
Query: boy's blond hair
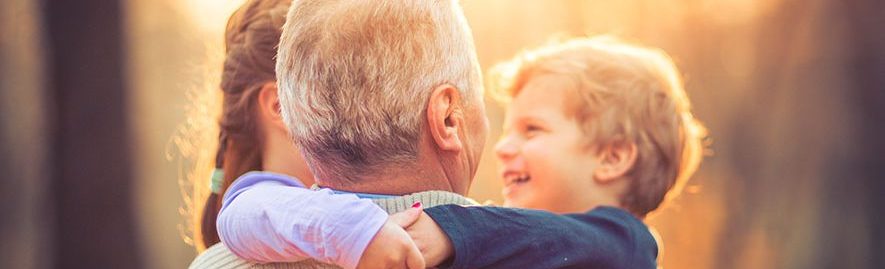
(623, 93)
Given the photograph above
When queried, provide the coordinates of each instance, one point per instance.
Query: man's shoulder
(427, 198)
(220, 257)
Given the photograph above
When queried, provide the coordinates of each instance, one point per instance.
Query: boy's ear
(445, 117)
(615, 161)
(269, 105)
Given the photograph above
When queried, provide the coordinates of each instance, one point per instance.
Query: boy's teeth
(517, 178)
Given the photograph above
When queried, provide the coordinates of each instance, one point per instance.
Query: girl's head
(595, 122)
(252, 135)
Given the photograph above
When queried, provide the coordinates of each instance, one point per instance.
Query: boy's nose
(506, 148)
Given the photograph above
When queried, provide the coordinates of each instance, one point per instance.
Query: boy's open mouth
(511, 178)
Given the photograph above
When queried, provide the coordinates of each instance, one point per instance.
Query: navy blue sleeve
(496, 237)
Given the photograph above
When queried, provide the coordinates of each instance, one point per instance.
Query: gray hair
(355, 76)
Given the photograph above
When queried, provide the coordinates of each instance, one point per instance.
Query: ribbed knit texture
(218, 256)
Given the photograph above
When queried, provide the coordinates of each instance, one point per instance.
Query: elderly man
(384, 97)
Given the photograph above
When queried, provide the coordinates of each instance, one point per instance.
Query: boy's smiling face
(546, 162)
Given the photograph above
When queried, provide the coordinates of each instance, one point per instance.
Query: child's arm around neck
(497, 237)
(268, 217)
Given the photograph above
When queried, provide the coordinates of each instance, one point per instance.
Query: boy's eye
(531, 130)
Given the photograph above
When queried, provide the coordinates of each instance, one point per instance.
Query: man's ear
(269, 105)
(445, 117)
(615, 161)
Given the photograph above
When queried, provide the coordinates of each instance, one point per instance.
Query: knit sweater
(219, 256)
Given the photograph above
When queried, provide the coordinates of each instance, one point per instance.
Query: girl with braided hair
(252, 137)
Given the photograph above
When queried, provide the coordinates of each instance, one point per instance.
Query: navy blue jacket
(497, 237)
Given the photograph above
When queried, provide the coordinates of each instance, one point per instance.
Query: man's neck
(393, 183)
(429, 173)
(365, 195)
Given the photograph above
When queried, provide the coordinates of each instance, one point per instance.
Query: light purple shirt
(267, 217)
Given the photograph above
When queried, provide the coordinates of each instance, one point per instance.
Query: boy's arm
(495, 237)
(271, 218)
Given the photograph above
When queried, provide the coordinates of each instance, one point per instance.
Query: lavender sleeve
(268, 217)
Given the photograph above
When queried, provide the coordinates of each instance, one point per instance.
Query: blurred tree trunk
(867, 69)
(92, 170)
(808, 142)
(24, 225)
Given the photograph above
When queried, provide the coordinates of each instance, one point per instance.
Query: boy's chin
(516, 203)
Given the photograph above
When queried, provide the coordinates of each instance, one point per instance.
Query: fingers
(414, 259)
(407, 218)
(432, 242)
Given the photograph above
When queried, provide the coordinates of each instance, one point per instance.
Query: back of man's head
(355, 76)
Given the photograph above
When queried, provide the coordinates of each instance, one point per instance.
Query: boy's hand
(392, 247)
(431, 240)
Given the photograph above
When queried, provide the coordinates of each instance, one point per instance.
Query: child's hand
(431, 240)
(392, 247)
